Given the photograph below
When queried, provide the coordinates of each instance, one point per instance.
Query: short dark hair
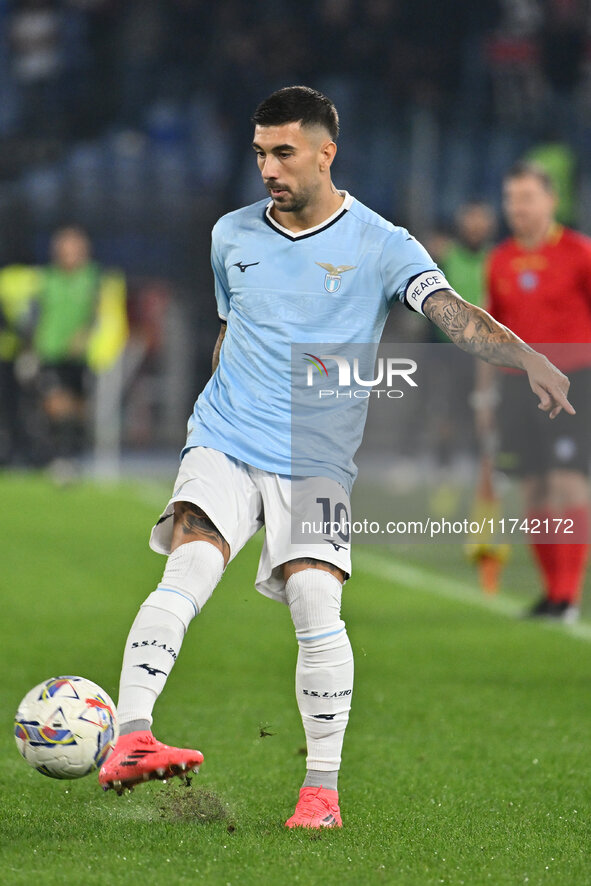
(298, 104)
(524, 168)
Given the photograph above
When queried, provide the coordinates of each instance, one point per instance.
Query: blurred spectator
(562, 50)
(464, 260)
(19, 286)
(81, 324)
(140, 36)
(514, 62)
(37, 60)
(438, 242)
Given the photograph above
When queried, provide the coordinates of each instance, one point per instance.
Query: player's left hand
(550, 385)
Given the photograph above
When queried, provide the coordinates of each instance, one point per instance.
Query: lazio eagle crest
(332, 281)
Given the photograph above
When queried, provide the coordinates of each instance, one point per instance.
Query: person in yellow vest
(19, 287)
(82, 328)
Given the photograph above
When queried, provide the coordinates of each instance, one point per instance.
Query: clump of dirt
(200, 805)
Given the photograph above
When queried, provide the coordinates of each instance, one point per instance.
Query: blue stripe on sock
(321, 636)
(184, 596)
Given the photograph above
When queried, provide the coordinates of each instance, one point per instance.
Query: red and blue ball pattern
(66, 727)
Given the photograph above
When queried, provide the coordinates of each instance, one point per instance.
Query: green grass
(466, 759)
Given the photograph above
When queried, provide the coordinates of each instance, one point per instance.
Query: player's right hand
(549, 384)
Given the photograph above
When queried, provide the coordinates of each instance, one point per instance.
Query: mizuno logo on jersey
(332, 281)
(242, 267)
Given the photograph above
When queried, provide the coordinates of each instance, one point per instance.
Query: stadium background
(132, 119)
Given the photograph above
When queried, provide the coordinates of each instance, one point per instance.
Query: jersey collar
(555, 234)
(552, 238)
(309, 232)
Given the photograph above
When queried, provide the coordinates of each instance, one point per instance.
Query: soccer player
(539, 284)
(309, 264)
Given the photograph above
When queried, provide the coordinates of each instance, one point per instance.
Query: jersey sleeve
(222, 293)
(408, 271)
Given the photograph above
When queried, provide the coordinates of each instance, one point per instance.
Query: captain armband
(421, 287)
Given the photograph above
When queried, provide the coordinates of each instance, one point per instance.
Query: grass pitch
(466, 760)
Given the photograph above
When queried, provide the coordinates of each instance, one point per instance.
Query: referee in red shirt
(539, 285)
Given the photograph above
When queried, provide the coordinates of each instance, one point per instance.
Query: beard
(290, 202)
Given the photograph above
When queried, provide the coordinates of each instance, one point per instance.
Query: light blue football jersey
(332, 283)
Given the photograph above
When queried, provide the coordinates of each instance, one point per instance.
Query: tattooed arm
(475, 331)
(218, 346)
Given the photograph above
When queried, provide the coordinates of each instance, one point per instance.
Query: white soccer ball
(66, 727)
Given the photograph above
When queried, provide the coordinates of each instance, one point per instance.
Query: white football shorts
(302, 516)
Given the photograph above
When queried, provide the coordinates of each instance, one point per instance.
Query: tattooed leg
(191, 523)
(193, 569)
